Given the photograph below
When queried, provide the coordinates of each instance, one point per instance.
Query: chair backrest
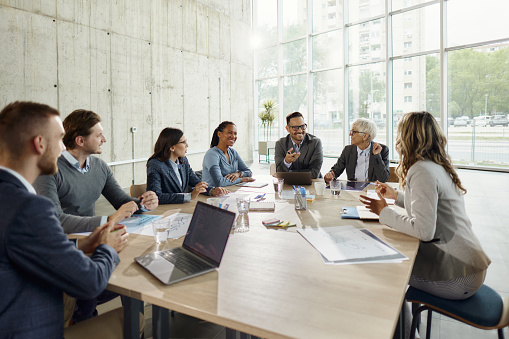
(393, 176)
(272, 169)
(136, 190)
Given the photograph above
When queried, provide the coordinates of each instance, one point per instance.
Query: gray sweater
(74, 194)
(437, 216)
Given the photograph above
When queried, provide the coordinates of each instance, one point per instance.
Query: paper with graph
(179, 223)
(343, 243)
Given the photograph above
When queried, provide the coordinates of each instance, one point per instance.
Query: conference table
(271, 282)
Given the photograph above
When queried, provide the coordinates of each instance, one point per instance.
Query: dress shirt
(296, 149)
(176, 168)
(361, 169)
(75, 163)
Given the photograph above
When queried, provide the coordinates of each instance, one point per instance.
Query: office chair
(136, 190)
(486, 309)
(272, 169)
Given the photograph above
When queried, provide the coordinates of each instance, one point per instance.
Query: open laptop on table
(295, 178)
(201, 251)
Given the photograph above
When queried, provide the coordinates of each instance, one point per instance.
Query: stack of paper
(341, 245)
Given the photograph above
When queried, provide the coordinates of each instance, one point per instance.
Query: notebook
(295, 178)
(358, 212)
(268, 206)
(252, 184)
(201, 251)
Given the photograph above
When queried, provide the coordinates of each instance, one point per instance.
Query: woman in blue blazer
(169, 174)
(222, 165)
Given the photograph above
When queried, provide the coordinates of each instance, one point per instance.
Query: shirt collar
(368, 149)
(75, 163)
(24, 181)
(174, 165)
(295, 145)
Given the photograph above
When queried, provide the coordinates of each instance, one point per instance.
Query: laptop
(295, 178)
(201, 251)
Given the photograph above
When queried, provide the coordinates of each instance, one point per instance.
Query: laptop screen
(209, 230)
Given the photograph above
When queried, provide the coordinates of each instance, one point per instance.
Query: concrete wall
(137, 63)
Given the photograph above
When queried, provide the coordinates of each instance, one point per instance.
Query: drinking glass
(335, 188)
(161, 228)
(243, 205)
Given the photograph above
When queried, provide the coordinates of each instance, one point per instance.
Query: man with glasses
(299, 151)
(364, 160)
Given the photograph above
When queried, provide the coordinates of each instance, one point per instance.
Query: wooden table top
(273, 283)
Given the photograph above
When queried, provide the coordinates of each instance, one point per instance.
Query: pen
(260, 197)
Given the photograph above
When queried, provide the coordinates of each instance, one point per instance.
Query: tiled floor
(488, 210)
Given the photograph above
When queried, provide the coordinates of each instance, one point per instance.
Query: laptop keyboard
(184, 261)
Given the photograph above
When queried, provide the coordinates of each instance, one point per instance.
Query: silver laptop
(295, 178)
(201, 251)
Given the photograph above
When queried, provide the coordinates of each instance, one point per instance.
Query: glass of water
(243, 205)
(278, 186)
(335, 188)
(161, 228)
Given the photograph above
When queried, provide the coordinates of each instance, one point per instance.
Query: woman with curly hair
(450, 262)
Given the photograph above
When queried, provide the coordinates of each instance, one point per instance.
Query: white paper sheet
(345, 242)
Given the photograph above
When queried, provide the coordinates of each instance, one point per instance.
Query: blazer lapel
(183, 175)
(352, 163)
(304, 148)
(371, 163)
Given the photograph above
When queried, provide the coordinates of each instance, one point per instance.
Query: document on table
(340, 244)
(395, 258)
(136, 222)
(179, 223)
(288, 194)
(372, 194)
(229, 202)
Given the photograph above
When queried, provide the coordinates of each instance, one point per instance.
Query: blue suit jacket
(38, 263)
(163, 181)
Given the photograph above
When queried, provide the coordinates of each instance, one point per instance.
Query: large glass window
(295, 95)
(266, 63)
(366, 95)
(366, 41)
(416, 31)
(328, 109)
(364, 9)
(267, 90)
(382, 77)
(294, 57)
(327, 50)
(470, 21)
(294, 19)
(479, 105)
(327, 14)
(265, 22)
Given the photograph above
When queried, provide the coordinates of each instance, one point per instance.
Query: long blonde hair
(420, 137)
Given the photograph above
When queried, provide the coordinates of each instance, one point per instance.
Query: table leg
(160, 322)
(132, 317)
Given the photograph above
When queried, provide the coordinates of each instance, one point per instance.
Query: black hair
(293, 115)
(220, 128)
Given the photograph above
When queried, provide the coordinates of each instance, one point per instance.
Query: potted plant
(267, 117)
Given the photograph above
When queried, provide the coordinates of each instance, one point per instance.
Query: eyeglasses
(352, 132)
(296, 128)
